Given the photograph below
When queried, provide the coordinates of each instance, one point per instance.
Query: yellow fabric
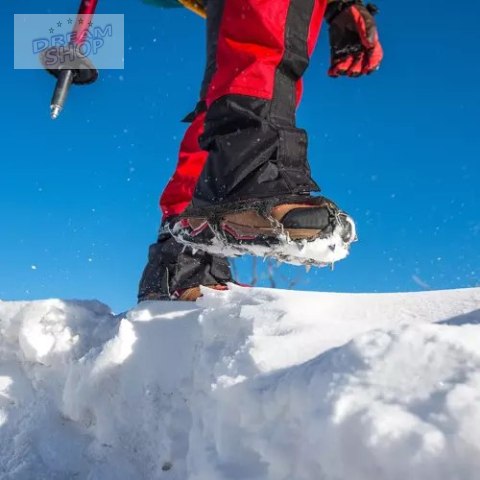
(195, 6)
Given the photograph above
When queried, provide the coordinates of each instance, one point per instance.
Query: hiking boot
(193, 293)
(175, 272)
(304, 230)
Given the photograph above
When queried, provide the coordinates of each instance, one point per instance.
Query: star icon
(80, 21)
(51, 30)
(59, 24)
(70, 21)
(90, 24)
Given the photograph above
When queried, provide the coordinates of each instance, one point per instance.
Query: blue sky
(398, 150)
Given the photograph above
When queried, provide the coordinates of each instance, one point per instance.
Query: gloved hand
(355, 48)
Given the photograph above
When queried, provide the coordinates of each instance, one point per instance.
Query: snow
(248, 384)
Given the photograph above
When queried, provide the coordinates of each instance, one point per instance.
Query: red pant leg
(261, 51)
(254, 43)
(179, 190)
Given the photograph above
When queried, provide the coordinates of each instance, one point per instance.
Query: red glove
(355, 49)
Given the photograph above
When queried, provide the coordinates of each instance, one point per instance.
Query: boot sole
(294, 246)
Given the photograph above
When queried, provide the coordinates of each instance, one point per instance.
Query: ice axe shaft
(85, 13)
(68, 76)
(64, 82)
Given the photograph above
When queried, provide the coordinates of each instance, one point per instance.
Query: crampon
(312, 233)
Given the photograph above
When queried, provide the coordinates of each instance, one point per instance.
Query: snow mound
(249, 384)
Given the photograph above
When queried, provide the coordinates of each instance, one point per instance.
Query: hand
(355, 48)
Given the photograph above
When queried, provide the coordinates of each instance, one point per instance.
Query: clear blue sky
(399, 150)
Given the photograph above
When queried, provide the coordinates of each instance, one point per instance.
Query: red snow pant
(243, 142)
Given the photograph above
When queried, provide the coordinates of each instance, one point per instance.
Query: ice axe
(66, 64)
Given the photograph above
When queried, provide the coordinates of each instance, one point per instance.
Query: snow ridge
(250, 384)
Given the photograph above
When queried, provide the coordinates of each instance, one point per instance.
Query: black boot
(174, 272)
(301, 230)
